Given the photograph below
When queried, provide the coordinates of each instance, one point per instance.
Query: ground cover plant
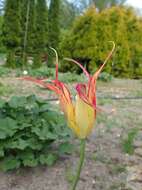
(29, 127)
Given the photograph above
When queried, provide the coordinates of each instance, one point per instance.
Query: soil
(107, 165)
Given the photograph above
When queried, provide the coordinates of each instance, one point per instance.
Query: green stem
(82, 156)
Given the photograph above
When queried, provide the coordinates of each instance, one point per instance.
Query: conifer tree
(54, 23)
(41, 34)
(1, 44)
(11, 30)
(28, 28)
(31, 36)
(134, 34)
(53, 32)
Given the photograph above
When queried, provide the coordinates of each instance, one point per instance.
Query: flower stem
(82, 156)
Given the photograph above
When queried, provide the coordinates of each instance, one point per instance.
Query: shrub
(106, 77)
(88, 39)
(69, 77)
(29, 127)
(42, 72)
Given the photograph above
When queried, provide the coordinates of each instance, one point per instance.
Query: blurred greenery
(5, 89)
(77, 29)
(88, 41)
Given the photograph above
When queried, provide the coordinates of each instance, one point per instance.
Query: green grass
(127, 143)
(103, 101)
(5, 90)
(71, 77)
(138, 93)
(69, 175)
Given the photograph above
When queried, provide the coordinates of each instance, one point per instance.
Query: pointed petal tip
(107, 58)
(57, 61)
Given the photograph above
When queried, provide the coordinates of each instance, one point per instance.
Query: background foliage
(78, 29)
(88, 39)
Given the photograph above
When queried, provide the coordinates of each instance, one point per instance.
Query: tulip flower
(80, 113)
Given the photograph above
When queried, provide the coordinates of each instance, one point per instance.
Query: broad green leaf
(2, 103)
(66, 148)
(2, 135)
(30, 162)
(34, 143)
(8, 127)
(44, 108)
(48, 159)
(1, 152)
(24, 125)
(9, 164)
(16, 101)
(50, 115)
(31, 99)
(29, 159)
(40, 101)
(18, 144)
(43, 132)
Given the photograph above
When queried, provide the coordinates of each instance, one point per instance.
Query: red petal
(92, 81)
(64, 89)
(57, 61)
(95, 76)
(44, 84)
(81, 90)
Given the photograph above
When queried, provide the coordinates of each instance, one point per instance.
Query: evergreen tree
(31, 35)
(80, 43)
(41, 34)
(11, 29)
(134, 34)
(28, 28)
(1, 44)
(54, 23)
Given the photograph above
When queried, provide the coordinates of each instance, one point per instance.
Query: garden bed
(111, 155)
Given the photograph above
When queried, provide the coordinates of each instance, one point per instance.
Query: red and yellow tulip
(81, 113)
